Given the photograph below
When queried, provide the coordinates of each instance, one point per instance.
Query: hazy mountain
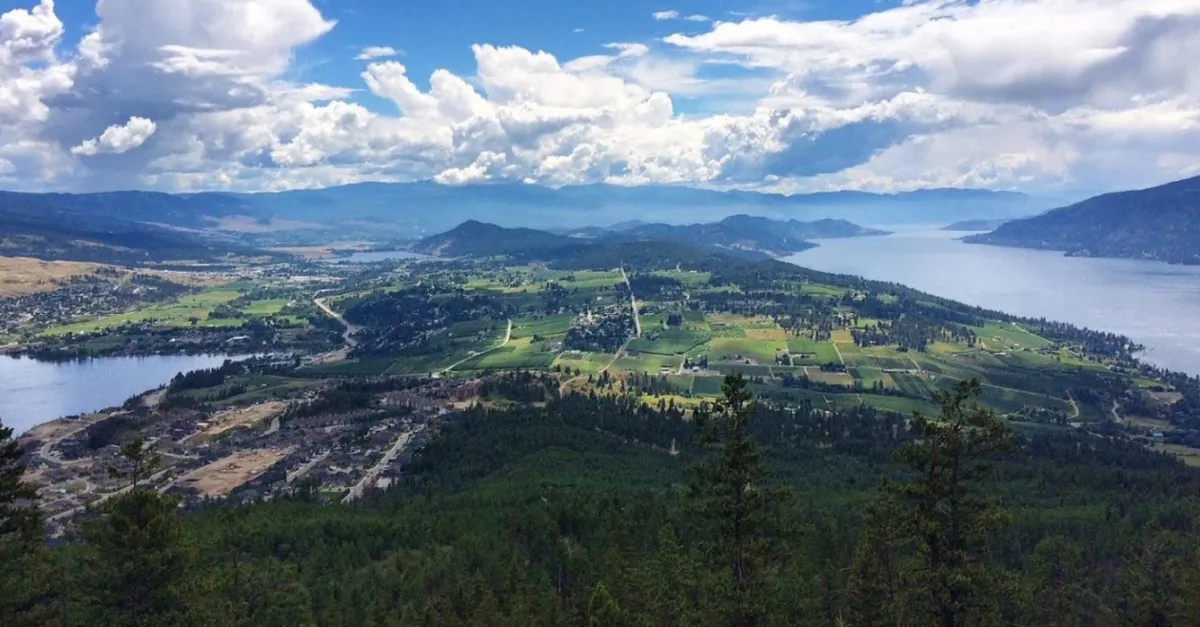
(738, 234)
(747, 233)
(92, 228)
(974, 225)
(1161, 223)
(480, 239)
(412, 209)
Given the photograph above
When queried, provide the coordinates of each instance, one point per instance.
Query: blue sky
(1043, 96)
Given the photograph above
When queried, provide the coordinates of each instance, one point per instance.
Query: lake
(377, 255)
(1155, 304)
(33, 392)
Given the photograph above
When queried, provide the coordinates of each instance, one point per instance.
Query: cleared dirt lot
(222, 476)
(242, 417)
(22, 275)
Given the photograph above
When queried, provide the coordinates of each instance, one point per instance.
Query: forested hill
(480, 239)
(745, 236)
(1160, 223)
(541, 509)
(747, 233)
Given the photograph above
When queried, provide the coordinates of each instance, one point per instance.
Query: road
(303, 470)
(104, 497)
(637, 321)
(357, 491)
(47, 454)
(507, 337)
(348, 334)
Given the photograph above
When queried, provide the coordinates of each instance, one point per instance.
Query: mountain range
(414, 209)
(1161, 223)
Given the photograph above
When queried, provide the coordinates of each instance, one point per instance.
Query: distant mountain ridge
(974, 225)
(741, 233)
(60, 227)
(1160, 223)
(411, 209)
(745, 232)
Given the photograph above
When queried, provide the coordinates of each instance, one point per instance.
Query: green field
(821, 352)
(647, 362)
(178, 313)
(510, 358)
(868, 377)
(730, 349)
(672, 342)
(707, 386)
(545, 327)
(1002, 336)
(585, 363)
(265, 307)
(911, 384)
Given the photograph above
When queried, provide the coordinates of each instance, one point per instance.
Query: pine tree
(732, 491)
(24, 587)
(139, 561)
(945, 578)
(1060, 597)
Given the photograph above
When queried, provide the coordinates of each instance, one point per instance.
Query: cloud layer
(1037, 95)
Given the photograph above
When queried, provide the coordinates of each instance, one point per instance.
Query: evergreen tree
(139, 562)
(24, 587)
(1060, 597)
(732, 492)
(947, 579)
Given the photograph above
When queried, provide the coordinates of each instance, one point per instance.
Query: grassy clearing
(1187, 454)
(832, 378)
(511, 358)
(809, 352)
(649, 363)
(1000, 336)
(817, 289)
(546, 327)
(762, 351)
(586, 279)
(22, 275)
(585, 363)
(265, 307)
(673, 342)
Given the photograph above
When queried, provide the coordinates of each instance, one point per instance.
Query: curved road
(348, 334)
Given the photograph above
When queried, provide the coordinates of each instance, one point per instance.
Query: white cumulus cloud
(117, 139)
(1015, 94)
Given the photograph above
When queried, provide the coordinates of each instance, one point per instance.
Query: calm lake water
(1155, 304)
(378, 255)
(33, 392)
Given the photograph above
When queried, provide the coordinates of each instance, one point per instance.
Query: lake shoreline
(1153, 303)
(34, 392)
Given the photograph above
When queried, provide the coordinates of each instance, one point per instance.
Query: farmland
(697, 332)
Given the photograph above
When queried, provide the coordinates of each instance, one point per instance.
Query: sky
(789, 96)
